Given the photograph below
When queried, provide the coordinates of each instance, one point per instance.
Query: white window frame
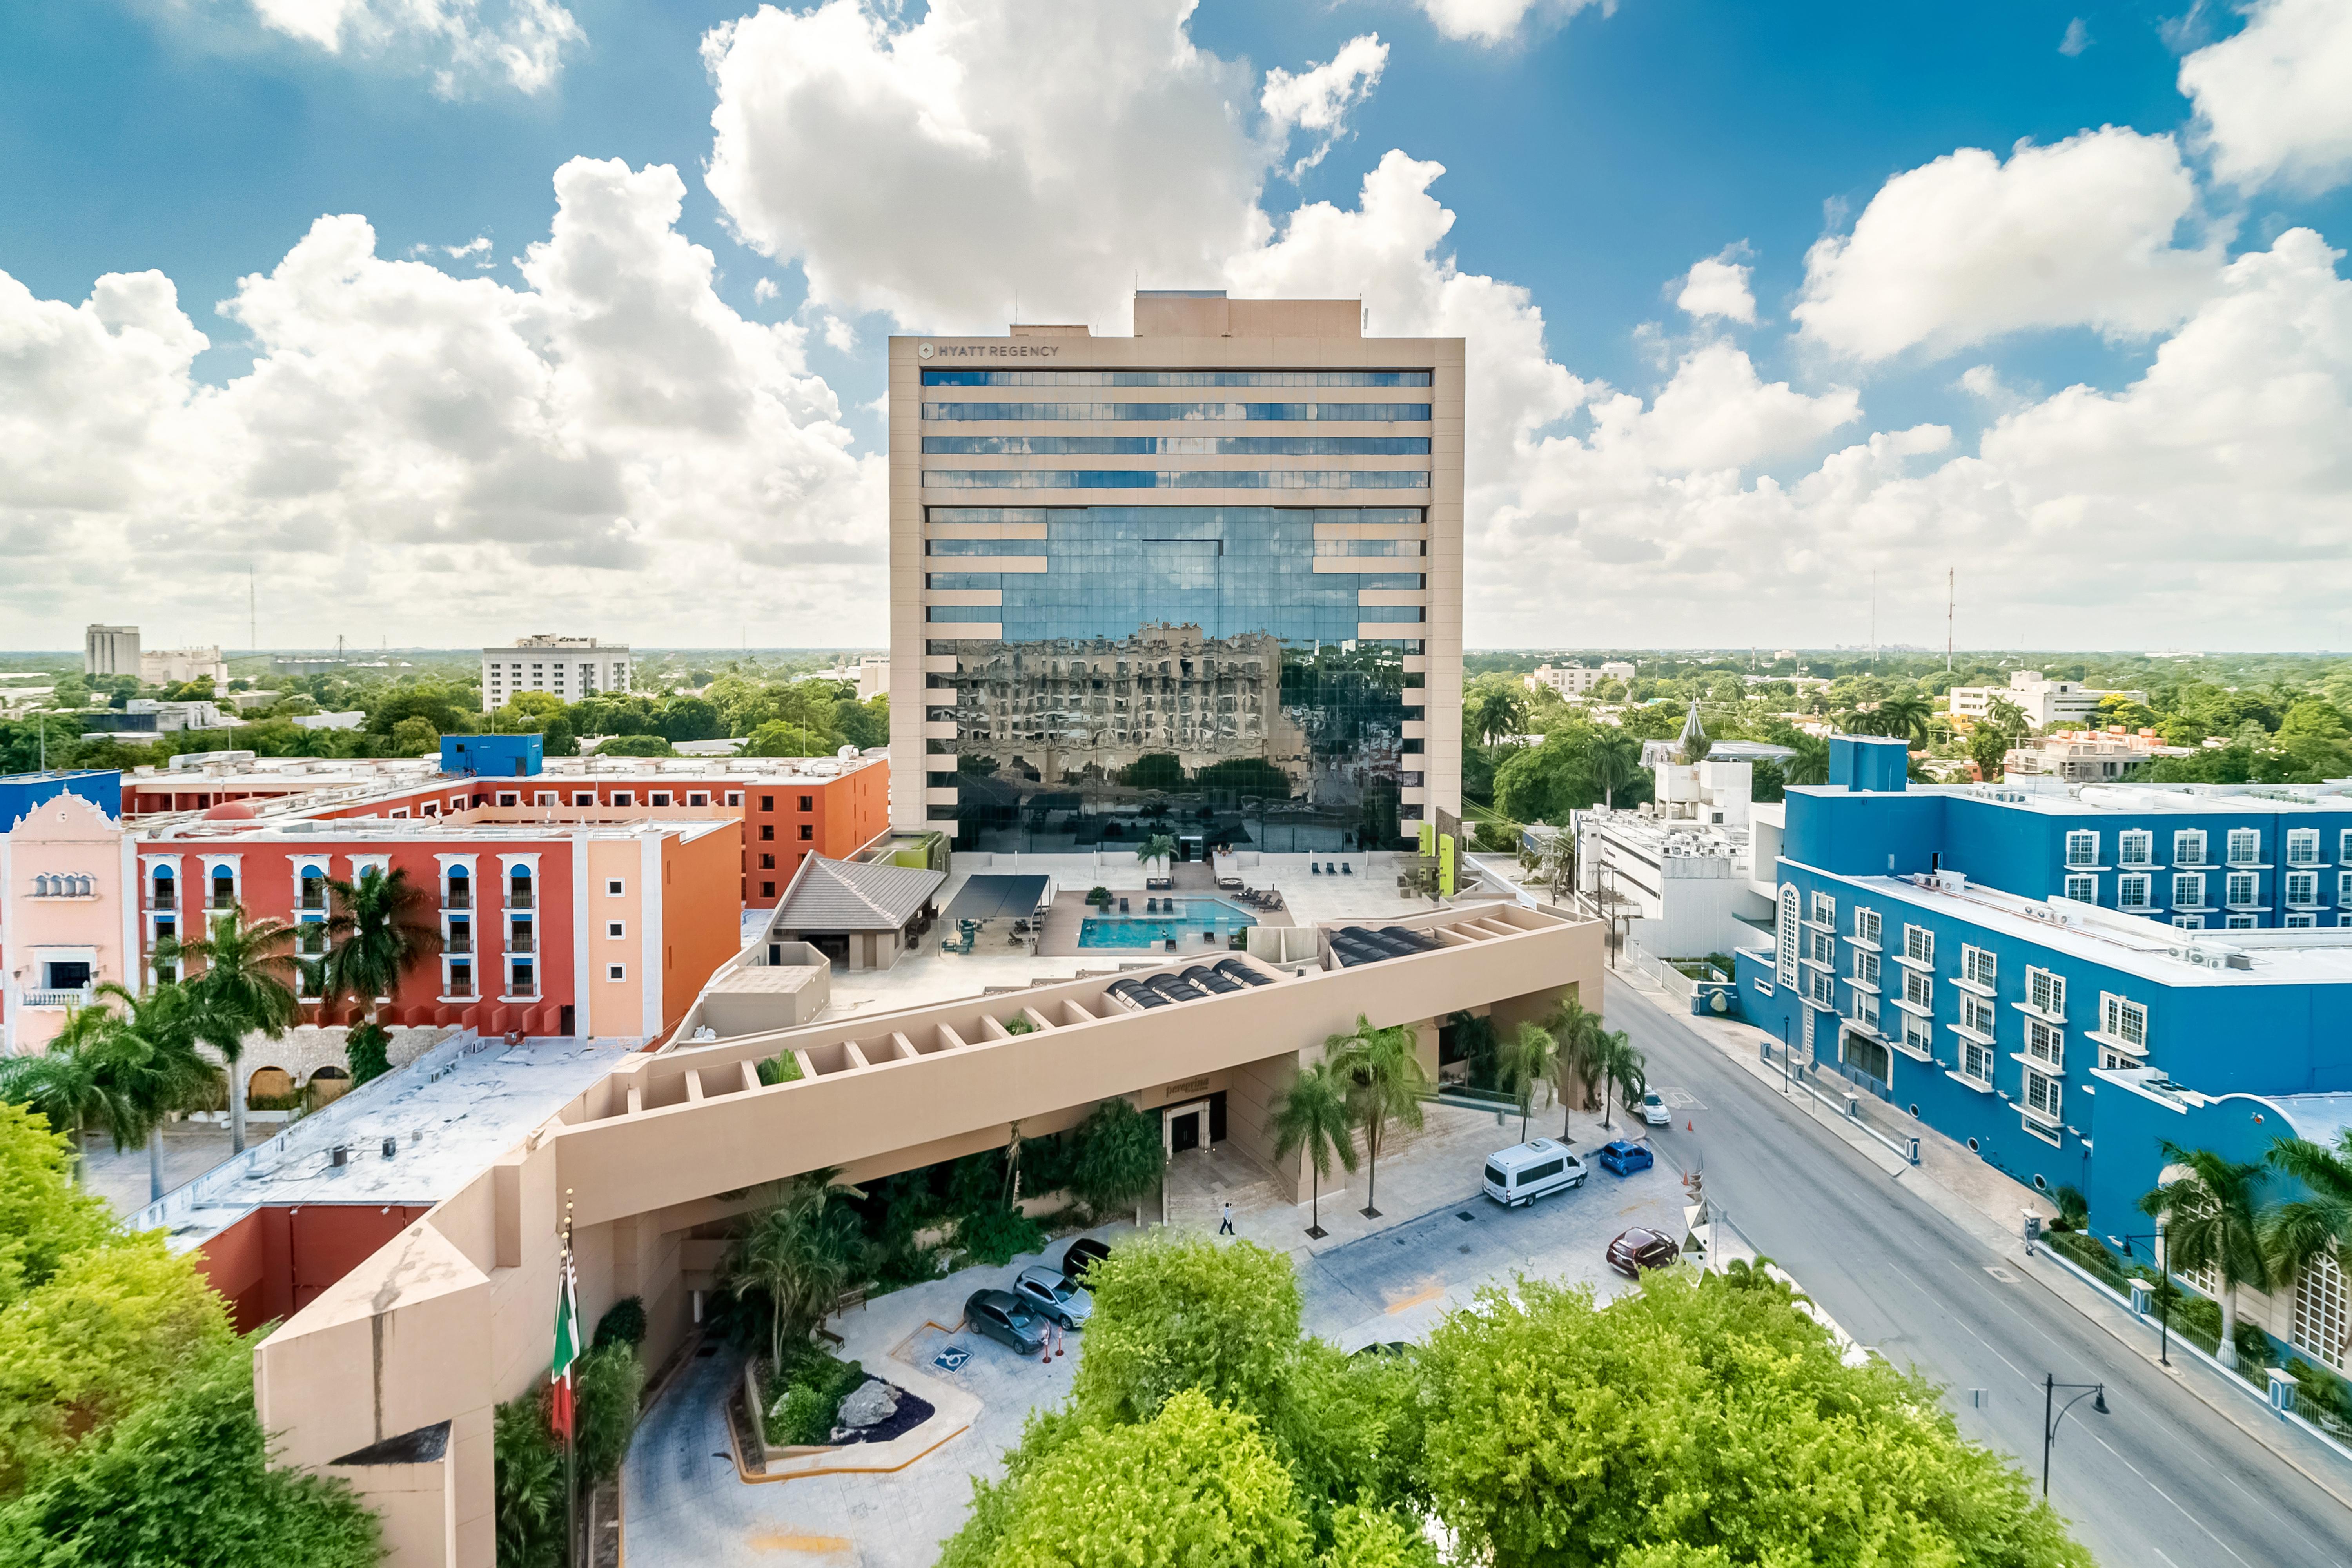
(2188, 890)
(1866, 1009)
(1784, 947)
(2123, 1023)
(658, 798)
(2045, 992)
(616, 887)
(2245, 846)
(624, 798)
(1825, 909)
(2303, 847)
(2189, 846)
(616, 931)
(617, 972)
(2344, 846)
(1919, 944)
(2240, 921)
(2041, 1086)
(2241, 890)
(2082, 888)
(2299, 918)
(1821, 948)
(2082, 847)
(2135, 846)
(2046, 1043)
(1919, 990)
(1918, 1036)
(2305, 884)
(1822, 988)
(1865, 968)
(1979, 1015)
(1975, 1063)
(1866, 926)
(697, 797)
(584, 797)
(2134, 890)
(1979, 966)
(734, 797)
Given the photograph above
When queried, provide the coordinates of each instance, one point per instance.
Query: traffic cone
(1690, 1127)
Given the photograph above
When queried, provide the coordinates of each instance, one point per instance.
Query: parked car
(1640, 1248)
(1625, 1156)
(1654, 1110)
(1047, 1293)
(1526, 1171)
(1082, 1254)
(1001, 1316)
(1385, 1348)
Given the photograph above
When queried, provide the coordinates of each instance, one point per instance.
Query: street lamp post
(1785, 1049)
(2094, 1391)
(2163, 1297)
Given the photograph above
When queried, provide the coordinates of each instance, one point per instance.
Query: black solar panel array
(1361, 945)
(1143, 993)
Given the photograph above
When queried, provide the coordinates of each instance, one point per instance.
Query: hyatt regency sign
(987, 351)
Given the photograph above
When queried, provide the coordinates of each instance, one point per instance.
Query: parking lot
(686, 1507)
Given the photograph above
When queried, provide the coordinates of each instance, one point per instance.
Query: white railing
(71, 997)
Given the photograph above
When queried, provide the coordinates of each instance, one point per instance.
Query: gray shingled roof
(846, 895)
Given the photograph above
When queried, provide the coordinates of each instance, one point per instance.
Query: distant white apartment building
(1575, 680)
(2087, 756)
(567, 667)
(870, 675)
(110, 650)
(178, 666)
(2065, 703)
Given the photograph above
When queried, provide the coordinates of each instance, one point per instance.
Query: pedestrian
(1226, 1229)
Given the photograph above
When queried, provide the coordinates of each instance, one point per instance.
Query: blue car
(1625, 1157)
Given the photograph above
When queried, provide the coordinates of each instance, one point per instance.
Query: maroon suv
(1638, 1249)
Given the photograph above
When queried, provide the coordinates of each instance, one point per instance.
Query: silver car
(1044, 1292)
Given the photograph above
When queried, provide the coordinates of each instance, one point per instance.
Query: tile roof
(847, 895)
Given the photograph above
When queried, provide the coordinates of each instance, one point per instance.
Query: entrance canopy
(996, 898)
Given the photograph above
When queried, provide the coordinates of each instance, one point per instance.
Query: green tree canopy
(1174, 1314)
(626, 745)
(1694, 1424)
(1117, 1156)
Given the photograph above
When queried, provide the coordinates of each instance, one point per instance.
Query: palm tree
(2296, 1235)
(71, 1084)
(1384, 1078)
(1531, 1056)
(1159, 846)
(1903, 717)
(1616, 760)
(2208, 1225)
(801, 1252)
(245, 986)
(1314, 1117)
(1811, 766)
(1620, 1067)
(1580, 1034)
(377, 933)
(151, 1057)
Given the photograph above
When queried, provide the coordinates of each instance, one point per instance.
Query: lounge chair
(1122, 906)
(1346, 869)
(1316, 867)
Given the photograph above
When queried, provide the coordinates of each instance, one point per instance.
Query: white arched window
(1785, 947)
(2323, 1313)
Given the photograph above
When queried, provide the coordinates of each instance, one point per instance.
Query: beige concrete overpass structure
(395, 1371)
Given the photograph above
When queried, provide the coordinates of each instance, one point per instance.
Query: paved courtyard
(1389, 1279)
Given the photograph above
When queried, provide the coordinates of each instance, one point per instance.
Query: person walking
(1226, 1229)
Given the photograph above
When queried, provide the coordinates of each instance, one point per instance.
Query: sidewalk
(1990, 1208)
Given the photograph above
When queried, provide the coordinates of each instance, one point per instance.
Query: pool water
(1192, 917)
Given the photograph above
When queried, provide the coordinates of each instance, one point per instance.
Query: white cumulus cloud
(1499, 21)
(1317, 99)
(460, 43)
(1718, 285)
(610, 442)
(2274, 102)
(1967, 248)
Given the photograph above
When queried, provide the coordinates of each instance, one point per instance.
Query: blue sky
(1591, 156)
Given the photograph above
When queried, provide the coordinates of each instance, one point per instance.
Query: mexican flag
(567, 1350)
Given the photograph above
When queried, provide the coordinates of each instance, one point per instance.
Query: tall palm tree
(71, 1083)
(1811, 766)
(381, 928)
(801, 1252)
(1580, 1034)
(2296, 1235)
(1620, 1067)
(1314, 1117)
(1531, 1056)
(1385, 1081)
(1904, 718)
(1159, 846)
(151, 1055)
(2208, 1225)
(1616, 760)
(245, 987)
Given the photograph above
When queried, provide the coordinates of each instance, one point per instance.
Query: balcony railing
(457, 941)
(457, 899)
(71, 996)
(518, 898)
(310, 900)
(521, 942)
(161, 900)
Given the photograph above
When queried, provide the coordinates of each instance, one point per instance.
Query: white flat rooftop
(2049, 796)
(447, 1130)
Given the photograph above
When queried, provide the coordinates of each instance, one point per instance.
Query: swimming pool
(1190, 918)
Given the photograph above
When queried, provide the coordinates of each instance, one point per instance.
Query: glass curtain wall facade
(1226, 665)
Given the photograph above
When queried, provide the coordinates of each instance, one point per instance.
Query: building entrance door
(1184, 1127)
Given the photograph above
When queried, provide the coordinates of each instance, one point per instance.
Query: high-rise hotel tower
(1204, 581)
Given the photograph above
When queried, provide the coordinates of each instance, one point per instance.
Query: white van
(1526, 1171)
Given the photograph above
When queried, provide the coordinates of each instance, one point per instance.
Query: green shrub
(609, 1380)
(804, 1415)
(996, 1236)
(528, 1490)
(1116, 1156)
(367, 1048)
(782, 1067)
(1018, 1025)
(2318, 1388)
(623, 1322)
(2088, 1251)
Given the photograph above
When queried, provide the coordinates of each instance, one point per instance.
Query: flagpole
(571, 1473)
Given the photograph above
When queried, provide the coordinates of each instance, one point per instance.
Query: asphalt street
(2159, 1480)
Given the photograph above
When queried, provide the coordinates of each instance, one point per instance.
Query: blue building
(492, 757)
(2063, 979)
(21, 793)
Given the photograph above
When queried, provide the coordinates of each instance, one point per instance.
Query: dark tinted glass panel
(1176, 445)
(1176, 411)
(1176, 378)
(1183, 671)
(1165, 479)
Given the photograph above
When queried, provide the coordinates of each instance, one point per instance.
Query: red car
(1638, 1249)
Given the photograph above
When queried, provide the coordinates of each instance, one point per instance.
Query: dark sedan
(1003, 1317)
(1639, 1248)
(1082, 1254)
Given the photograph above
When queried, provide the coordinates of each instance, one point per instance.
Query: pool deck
(1065, 920)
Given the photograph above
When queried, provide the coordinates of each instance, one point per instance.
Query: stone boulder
(872, 1403)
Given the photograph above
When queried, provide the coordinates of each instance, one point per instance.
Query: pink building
(64, 923)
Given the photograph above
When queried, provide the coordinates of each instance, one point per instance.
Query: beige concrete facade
(1181, 333)
(456, 1313)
